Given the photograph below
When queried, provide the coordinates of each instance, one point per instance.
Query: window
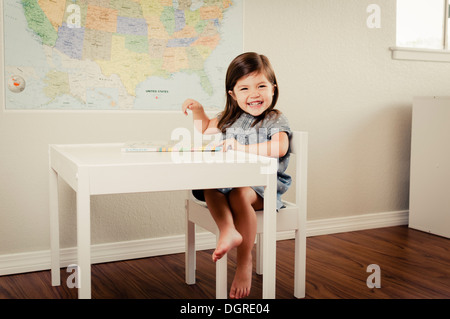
(423, 30)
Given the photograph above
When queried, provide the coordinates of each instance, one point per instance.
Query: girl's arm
(277, 147)
(201, 121)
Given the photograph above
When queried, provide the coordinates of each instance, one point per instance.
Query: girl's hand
(231, 144)
(192, 105)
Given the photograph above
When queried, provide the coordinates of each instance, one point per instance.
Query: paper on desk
(164, 146)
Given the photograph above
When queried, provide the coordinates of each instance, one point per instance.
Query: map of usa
(118, 54)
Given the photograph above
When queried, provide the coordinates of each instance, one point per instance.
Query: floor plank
(413, 264)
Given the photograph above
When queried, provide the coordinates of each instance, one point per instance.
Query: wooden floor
(413, 265)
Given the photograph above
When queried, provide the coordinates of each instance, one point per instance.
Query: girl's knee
(241, 196)
(209, 191)
(213, 195)
(212, 192)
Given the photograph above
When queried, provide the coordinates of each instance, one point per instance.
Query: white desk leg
(190, 251)
(269, 238)
(84, 235)
(221, 275)
(54, 227)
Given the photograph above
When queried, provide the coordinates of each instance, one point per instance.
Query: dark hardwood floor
(413, 264)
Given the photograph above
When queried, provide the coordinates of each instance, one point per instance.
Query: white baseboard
(40, 260)
(354, 223)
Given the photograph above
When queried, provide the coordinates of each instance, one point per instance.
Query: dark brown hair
(244, 65)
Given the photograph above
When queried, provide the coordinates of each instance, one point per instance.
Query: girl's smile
(255, 104)
(253, 93)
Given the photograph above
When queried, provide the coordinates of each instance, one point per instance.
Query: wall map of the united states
(118, 54)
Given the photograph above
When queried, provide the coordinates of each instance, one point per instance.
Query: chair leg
(190, 250)
(300, 264)
(259, 254)
(221, 277)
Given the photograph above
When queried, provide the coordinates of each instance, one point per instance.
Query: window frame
(423, 54)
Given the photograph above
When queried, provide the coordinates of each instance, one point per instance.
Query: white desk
(96, 169)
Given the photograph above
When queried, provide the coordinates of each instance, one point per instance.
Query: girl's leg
(244, 201)
(220, 210)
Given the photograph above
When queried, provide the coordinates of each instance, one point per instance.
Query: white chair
(292, 217)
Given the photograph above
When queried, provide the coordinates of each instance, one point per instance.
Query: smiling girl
(249, 123)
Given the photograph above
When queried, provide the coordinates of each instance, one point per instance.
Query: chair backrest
(299, 146)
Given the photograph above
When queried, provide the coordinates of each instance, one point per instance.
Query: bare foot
(240, 288)
(227, 240)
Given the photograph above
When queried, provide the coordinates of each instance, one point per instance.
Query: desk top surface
(112, 154)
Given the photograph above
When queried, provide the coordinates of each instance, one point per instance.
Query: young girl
(249, 123)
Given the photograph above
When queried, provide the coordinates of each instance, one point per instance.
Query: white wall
(337, 81)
